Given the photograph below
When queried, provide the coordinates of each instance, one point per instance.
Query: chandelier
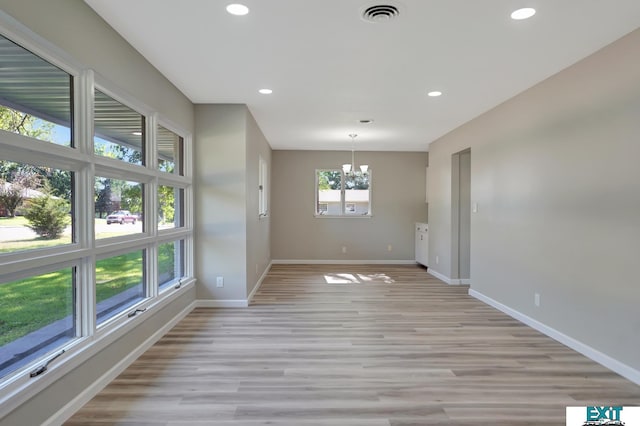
(350, 169)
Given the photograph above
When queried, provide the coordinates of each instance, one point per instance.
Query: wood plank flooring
(364, 345)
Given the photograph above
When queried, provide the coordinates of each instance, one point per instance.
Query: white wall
(230, 240)
(397, 199)
(556, 179)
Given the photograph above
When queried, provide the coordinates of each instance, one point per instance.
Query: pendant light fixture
(350, 169)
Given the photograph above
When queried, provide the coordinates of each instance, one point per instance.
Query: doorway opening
(461, 216)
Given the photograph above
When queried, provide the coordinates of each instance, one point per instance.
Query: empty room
(319, 212)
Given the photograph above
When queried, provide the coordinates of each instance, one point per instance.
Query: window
(35, 96)
(170, 151)
(170, 207)
(119, 283)
(35, 206)
(82, 220)
(37, 316)
(170, 263)
(118, 203)
(338, 194)
(357, 195)
(119, 130)
(263, 193)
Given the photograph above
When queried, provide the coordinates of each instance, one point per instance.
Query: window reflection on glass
(118, 207)
(36, 316)
(170, 147)
(119, 130)
(170, 262)
(170, 207)
(35, 206)
(35, 96)
(119, 283)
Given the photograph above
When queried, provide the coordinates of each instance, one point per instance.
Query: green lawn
(29, 304)
(13, 221)
(32, 303)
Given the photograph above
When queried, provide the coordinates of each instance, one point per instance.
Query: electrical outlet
(219, 281)
(389, 247)
(344, 249)
(437, 259)
(536, 299)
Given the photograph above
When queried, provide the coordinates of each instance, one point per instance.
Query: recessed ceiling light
(237, 9)
(365, 121)
(434, 94)
(265, 91)
(524, 13)
(136, 133)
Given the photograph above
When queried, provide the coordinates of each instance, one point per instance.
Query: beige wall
(398, 201)
(220, 201)
(231, 241)
(556, 179)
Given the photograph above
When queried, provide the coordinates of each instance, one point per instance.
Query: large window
(92, 230)
(338, 194)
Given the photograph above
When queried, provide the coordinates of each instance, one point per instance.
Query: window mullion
(84, 205)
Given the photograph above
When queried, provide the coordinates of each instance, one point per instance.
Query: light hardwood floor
(372, 345)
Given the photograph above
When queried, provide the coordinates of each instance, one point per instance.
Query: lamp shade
(346, 168)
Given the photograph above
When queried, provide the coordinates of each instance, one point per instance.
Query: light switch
(474, 208)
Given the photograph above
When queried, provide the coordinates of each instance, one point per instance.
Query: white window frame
(17, 387)
(343, 202)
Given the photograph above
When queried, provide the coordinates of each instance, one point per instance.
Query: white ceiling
(328, 68)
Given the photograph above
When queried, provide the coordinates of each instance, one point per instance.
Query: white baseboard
(447, 280)
(259, 283)
(229, 303)
(341, 262)
(440, 276)
(591, 353)
(80, 400)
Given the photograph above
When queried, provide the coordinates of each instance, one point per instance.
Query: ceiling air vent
(380, 13)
